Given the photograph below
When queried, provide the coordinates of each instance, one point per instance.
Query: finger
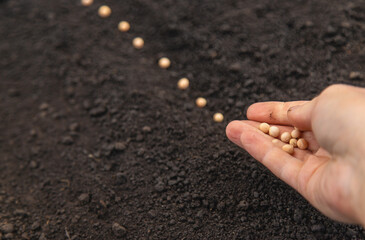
(260, 146)
(301, 116)
(313, 145)
(271, 112)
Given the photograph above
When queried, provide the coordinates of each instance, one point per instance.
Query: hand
(331, 173)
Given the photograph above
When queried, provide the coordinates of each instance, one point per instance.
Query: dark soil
(96, 141)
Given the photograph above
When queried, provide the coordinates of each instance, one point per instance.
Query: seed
(285, 137)
(138, 43)
(218, 117)
(302, 144)
(124, 26)
(201, 102)
(275, 141)
(274, 131)
(295, 133)
(183, 83)
(87, 2)
(293, 142)
(164, 63)
(104, 11)
(264, 127)
(288, 148)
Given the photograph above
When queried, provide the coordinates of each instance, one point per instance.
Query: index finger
(272, 112)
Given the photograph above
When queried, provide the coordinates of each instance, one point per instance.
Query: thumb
(300, 116)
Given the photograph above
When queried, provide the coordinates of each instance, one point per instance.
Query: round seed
(87, 2)
(104, 11)
(295, 133)
(201, 102)
(183, 83)
(285, 137)
(218, 117)
(164, 63)
(138, 43)
(293, 142)
(124, 26)
(274, 131)
(302, 144)
(275, 141)
(264, 127)
(288, 148)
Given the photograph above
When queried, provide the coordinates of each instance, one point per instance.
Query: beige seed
(302, 144)
(285, 137)
(183, 83)
(124, 26)
(264, 127)
(104, 11)
(164, 63)
(201, 102)
(295, 133)
(293, 142)
(288, 148)
(138, 43)
(274, 131)
(218, 117)
(87, 2)
(275, 141)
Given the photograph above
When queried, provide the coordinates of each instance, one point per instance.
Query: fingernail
(234, 132)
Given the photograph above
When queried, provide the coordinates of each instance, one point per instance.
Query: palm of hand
(324, 180)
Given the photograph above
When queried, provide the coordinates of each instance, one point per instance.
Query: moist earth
(97, 142)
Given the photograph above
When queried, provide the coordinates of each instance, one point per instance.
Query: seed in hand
(285, 137)
(264, 127)
(218, 117)
(104, 11)
(288, 148)
(274, 131)
(295, 133)
(164, 63)
(138, 43)
(293, 142)
(183, 83)
(124, 26)
(302, 144)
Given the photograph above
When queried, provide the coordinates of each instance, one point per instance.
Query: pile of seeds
(105, 11)
(291, 139)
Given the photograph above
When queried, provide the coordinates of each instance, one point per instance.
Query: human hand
(331, 173)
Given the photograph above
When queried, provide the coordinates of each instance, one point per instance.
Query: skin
(330, 174)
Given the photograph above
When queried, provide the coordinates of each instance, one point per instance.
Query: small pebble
(183, 83)
(295, 133)
(87, 2)
(355, 75)
(7, 228)
(84, 198)
(218, 117)
(285, 137)
(293, 142)
(201, 102)
(104, 11)
(119, 230)
(274, 131)
(164, 63)
(302, 144)
(124, 26)
(288, 148)
(264, 127)
(138, 43)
